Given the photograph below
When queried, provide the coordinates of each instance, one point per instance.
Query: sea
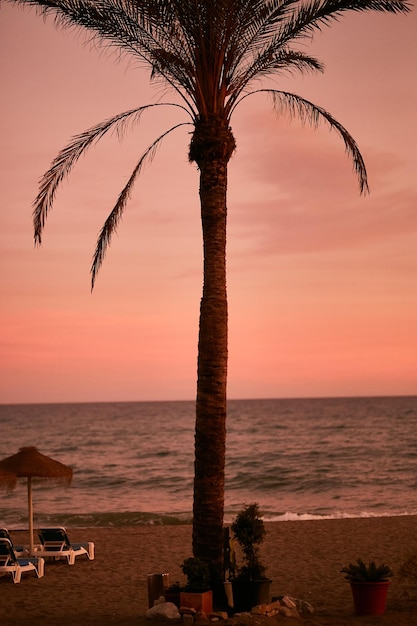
(133, 462)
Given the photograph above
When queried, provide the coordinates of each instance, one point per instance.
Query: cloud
(294, 192)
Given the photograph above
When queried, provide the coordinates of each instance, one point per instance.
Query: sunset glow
(321, 281)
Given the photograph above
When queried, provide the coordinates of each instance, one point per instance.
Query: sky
(321, 280)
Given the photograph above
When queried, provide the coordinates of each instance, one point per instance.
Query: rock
(242, 614)
(288, 612)
(218, 615)
(281, 606)
(188, 620)
(269, 610)
(164, 610)
(188, 610)
(288, 602)
(303, 607)
(201, 618)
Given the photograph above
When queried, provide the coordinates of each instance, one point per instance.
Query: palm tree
(211, 54)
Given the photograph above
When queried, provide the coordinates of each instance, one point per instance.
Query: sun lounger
(11, 564)
(55, 543)
(20, 551)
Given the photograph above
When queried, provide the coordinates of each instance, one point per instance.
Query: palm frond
(307, 112)
(258, 24)
(271, 61)
(208, 52)
(311, 16)
(196, 47)
(313, 114)
(110, 20)
(115, 216)
(138, 29)
(67, 158)
(276, 23)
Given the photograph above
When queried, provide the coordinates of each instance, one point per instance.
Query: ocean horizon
(300, 458)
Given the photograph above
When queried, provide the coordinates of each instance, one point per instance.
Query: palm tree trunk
(211, 148)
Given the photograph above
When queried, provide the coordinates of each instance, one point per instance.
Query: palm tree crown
(208, 52)
(212, 55)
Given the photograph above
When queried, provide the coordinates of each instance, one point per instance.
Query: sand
(304, 559)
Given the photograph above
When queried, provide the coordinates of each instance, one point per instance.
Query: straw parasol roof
(30, 463)
(7, 480)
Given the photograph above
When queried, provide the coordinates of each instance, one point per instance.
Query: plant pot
(250, 593)
(200, 601)
(174, 597)
(157, 584)
(369, 598)
(228, 594)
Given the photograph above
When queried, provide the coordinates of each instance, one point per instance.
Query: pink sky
(322, 282)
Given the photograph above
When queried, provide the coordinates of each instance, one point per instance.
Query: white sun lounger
(55, 543)
(11, 564)
(20, 551)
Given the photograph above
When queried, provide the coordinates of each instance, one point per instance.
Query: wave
(99, 520)
(124, 519)
(295, 517)
(299, 459)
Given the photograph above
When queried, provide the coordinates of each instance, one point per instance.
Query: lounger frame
(15, 566)
(56, 544)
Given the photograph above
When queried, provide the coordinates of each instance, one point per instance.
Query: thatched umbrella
(7, 480)
(30, 463)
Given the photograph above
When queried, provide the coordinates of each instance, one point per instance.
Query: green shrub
(359, 572)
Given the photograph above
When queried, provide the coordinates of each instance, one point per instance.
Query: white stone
(164, 610)
(303, 607)
(287, 612)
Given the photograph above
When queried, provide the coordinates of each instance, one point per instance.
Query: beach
(303, 559)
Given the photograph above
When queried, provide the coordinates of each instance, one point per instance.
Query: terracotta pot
(202, 601)
(369, 598)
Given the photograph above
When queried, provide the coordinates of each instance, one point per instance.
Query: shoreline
(132, 519)
(303, 559)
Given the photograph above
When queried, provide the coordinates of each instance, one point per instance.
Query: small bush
(359, 572)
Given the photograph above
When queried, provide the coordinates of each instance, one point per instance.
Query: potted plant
(249, 583)
(172, 594)
(369, 584)
(197, 593)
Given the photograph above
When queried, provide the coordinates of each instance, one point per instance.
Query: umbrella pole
(30, 514)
